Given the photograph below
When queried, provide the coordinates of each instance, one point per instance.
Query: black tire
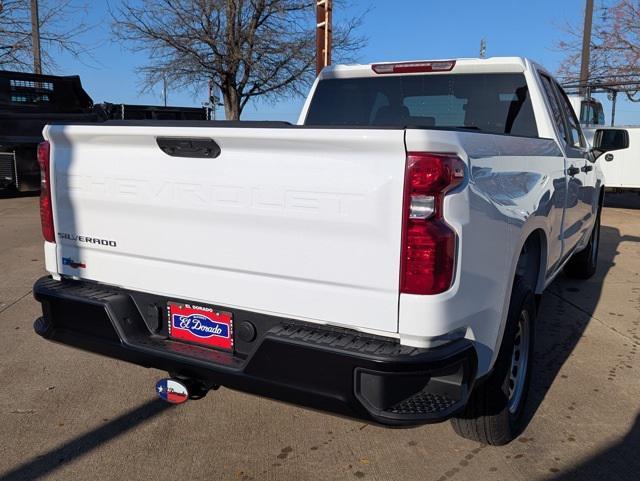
(583, 264)
(492, 416)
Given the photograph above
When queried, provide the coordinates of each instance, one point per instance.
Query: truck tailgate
(296, 222)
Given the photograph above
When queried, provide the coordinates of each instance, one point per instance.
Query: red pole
(323, 34)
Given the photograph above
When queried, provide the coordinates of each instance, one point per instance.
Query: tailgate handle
(194, 147)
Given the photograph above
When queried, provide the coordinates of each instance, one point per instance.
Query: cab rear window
(492, 103)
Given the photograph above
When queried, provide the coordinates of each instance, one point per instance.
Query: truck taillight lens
(46, 210)
(428, 242)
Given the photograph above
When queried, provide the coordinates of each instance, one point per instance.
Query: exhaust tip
(172, 391)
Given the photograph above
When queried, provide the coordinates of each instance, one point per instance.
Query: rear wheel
(583, 265)
(494, 413)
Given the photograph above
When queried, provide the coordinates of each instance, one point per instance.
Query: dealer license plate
(202, 325)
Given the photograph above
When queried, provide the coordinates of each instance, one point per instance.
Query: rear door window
(556, 112)
(492, 103)
(576, 139)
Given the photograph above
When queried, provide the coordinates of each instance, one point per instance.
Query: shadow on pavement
(622, 200)
(618, 462)
(565, 312)
(567, 307)
(79, 446)
(14, 194)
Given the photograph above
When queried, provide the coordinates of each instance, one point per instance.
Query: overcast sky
(396, 30)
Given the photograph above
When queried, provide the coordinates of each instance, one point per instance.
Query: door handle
(572, 171)
(194, 147)
(587, 168)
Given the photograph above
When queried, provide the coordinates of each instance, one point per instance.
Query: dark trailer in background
(28, 102)
(111, 111)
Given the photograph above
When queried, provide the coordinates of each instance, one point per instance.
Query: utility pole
(213, 102)
(483, 48)
(586, 48)
(164, 89)
(323, 34)
(35, 36)
(613, 95)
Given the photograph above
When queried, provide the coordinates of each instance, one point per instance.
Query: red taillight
(428, 243)
(414, 67)
(46, 210)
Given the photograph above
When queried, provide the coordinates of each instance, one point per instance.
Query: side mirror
(606, 140)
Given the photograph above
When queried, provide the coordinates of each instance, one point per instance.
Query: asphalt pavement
(70, 415)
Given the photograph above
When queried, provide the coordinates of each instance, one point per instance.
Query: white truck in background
(622, 169)
(381, 259)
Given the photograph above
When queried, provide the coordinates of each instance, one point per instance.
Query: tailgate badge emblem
(68, 261)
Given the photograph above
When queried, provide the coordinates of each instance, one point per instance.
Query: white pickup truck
(382, 259)
(622, 170)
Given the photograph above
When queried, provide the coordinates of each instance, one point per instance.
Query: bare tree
(61, 23)
(615, 47)
(246, 48)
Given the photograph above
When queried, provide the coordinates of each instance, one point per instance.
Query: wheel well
(531, 261)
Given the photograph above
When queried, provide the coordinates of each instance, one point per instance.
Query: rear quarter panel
(515, 185)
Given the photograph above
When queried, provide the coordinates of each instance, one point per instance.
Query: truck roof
(456, 65)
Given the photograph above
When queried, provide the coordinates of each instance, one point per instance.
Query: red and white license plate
(201, 325)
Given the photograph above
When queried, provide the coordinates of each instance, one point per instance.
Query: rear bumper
(336, 370)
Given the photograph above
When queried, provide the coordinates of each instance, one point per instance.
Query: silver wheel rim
(519, 362)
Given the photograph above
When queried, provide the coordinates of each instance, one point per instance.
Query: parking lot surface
(71, 415)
